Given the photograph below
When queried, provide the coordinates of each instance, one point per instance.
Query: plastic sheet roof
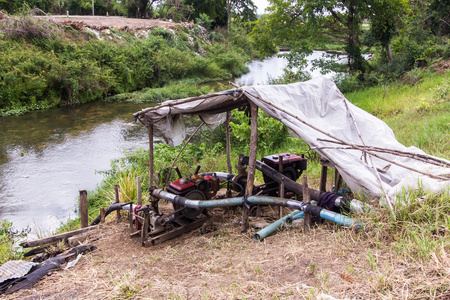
(317, 112)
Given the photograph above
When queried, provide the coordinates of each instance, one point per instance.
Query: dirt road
(102, 22)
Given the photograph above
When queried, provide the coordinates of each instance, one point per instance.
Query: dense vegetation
(399, 34)
(44, 65)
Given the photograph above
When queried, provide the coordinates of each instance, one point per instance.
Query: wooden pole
(281, 187)
(323, 178)
(251, 163)
(139, 191)
(306, 199)
(84, 209)
(230, 168)
(150, 155)
(130, 217)
(56, 238)
(144, 230)
(337, 181)
(102, 214)
(116, 192)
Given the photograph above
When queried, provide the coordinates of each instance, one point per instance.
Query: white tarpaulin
(317, 112)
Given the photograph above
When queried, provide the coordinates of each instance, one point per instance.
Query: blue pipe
(257, 200)
(268, 230)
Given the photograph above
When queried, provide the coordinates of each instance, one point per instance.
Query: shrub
(271, 132)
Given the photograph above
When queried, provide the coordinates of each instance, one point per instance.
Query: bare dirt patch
(101, 22)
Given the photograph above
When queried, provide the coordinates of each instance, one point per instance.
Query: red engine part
(137, 224)
(181, 186)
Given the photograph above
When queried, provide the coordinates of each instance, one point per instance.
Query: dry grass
(226, 264)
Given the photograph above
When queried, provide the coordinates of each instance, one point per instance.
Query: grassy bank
(45, 65)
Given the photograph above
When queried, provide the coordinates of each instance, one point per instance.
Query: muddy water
(46, 157)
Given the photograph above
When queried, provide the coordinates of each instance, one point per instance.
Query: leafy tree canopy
(303, 25)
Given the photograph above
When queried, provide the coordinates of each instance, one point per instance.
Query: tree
(305, 24)
(244, 8)
(386, 17)
(439, 16)
(215, 9)
(139, 8)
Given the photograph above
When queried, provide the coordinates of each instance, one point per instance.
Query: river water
(46, 157)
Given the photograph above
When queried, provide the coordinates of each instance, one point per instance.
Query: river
(46, 157)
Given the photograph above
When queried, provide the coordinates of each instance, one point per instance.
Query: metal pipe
(255, 200)
(268, 230)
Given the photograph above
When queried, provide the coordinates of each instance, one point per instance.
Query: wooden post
(323, 178)
(251, 163)
(139, 191)
(130, 216)
(144, 230)
(281, 187)
(84, 209)
(116, 192)
(337, 181)
(230, 168)
(150, 155)
(306, 199)
(102, 214)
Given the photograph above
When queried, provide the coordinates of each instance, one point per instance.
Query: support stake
(102, 214)
(139, 191)
(306, 199)
(230, 168)
(251, 163)
(144, 230)
(116, 192)
(323, 178)
(150, 155)
(83, 209)
(281, 187)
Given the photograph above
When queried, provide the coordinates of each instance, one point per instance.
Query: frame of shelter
(234, 99)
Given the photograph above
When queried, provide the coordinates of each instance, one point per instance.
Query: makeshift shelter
(360, 146)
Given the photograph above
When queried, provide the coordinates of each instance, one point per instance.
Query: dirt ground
(102, 22)
(225, 264)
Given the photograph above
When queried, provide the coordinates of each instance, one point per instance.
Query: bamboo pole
(251, 163)
(177, 102)
(228, 142)
(370, 149)
(83, 209)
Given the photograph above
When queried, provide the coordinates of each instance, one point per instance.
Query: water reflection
(273, 67)
(47, 157)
